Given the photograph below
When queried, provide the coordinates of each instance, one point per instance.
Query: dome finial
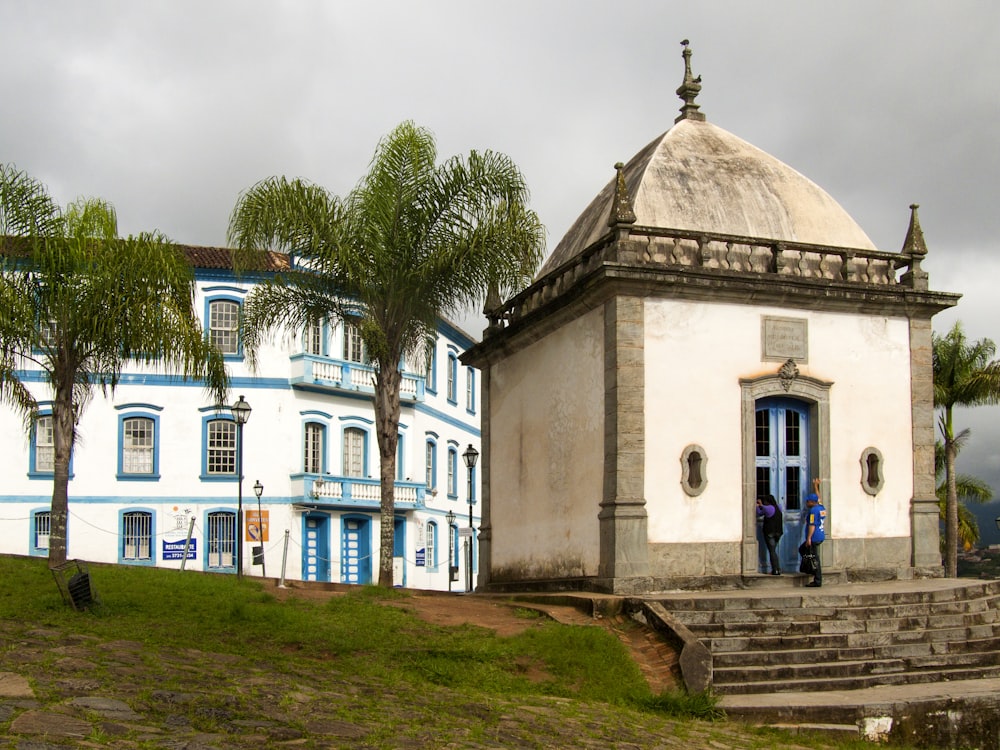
(689, 89)
(621, 207)
(914, 251)
(914, 243)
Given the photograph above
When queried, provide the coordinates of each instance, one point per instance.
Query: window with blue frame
(354, 348)
(470, 390)
(312, 338)
(220, 542)
(41, 528)
(430, 457)
(219, 448)
(137, 536)
(224, 325)
(430, 375)
(43, 447)
(431, 550)
(452, 472)
(139, 444)
(355, 452)
(452, 377)
(314, 448)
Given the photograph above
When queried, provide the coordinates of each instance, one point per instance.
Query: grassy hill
(189, 660)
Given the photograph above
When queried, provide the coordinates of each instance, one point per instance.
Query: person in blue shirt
(815, 531)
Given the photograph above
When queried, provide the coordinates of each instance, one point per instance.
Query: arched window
(354, 350)
(312, 338)
(136, 537)
(224, 325)
(220, 541)
(43, 448)
(431, 558)
(452, 377)
(430, 459)
(452, 472)
(355, 440)
(314, 448)
(220, 447)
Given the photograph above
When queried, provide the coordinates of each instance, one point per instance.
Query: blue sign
(175, 550)
(421, 557)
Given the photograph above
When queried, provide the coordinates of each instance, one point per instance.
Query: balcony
(340, 375)
(359, 493)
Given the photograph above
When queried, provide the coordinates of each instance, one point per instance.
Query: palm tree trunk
(951, 502)
(387, 382)
(63, 435)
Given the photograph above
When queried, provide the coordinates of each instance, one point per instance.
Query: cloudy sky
(169, 108)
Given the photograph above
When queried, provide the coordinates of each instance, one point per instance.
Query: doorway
(781, 466)
(356, 550)
(316, 547)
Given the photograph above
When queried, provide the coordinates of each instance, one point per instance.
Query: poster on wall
(175, 536)
(257, 526)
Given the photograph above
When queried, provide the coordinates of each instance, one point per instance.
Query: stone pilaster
(924, 530)
(623, 518)
(483, 577)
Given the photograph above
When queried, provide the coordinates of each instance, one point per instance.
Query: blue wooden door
(316, 547)
(782, 466)
(355, 550)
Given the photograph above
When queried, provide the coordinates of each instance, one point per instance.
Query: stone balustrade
(650, 248)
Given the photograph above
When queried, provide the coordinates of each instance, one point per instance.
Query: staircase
(809, 640)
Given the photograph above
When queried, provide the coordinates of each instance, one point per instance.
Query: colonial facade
(154, 473)
(713, 328)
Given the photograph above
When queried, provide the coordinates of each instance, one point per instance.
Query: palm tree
(79, 303)
(413, 241)
(965, 374)
(969, 488)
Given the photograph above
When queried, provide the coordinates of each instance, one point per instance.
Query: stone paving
(60, 690)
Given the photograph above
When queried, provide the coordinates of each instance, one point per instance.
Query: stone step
(811, 652)
(842, 668)
(793, 599)
(925, 614)
(744, 639)
(744, 686)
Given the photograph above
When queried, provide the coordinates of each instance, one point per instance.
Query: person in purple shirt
(772, 527)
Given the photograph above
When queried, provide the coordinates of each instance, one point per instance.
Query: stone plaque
(783, 339)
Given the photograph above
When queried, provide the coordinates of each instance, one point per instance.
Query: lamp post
(450, 518)
(258, 490)
(241, 413)
(470, 457)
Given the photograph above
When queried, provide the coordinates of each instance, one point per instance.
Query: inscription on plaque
(783, 339)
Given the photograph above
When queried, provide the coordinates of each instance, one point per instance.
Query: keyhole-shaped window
(693, 470)
(872, 477)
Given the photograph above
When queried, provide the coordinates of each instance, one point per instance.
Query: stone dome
(699, 177)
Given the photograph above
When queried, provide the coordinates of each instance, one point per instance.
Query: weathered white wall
(547, 443)
(696, 354)
(273, 454)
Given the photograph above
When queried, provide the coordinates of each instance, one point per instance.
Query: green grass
(348, 658)
(355, 633)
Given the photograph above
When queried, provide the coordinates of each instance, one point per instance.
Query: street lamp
(450, 518)
(241, 413)
(258, 490)
(470, 457)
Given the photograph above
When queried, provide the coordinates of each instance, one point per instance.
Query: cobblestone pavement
(60, 689)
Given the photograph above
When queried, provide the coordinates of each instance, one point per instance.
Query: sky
(170, 108)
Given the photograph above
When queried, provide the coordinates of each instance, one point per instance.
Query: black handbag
(808, 564)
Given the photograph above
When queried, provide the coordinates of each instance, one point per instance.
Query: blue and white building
(154, 475)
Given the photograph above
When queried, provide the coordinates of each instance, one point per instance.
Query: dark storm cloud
(169, 108)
